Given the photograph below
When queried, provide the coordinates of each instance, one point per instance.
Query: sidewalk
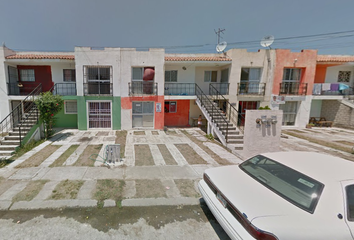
(166, 175)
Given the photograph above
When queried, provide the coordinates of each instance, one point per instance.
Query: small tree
(48, 105)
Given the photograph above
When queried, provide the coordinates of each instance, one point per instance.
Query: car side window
(350, 201)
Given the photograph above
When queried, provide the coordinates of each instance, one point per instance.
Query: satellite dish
(221, 47)
(267, 41)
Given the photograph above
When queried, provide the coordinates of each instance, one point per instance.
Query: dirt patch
(171, 132)
(319, 141)
(108, 189)
(84, 158)
(30, 191)
(217, 158)
(186, 188)
(143, 156)
(149, 189)
(121, 138)
(139, 132)
(169, 160)
(5, 162)
(6, 184)
(67, 189)
(100, 134)
(85, 139)
(189, 154)
(154, 132)
(346, 143)
(29, 146)
(59, 162)
(39, 157)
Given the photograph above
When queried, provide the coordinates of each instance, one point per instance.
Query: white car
(283, 195)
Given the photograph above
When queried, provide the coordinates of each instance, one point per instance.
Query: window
(289, 184)
(289, 113)
(70, 107)
(292, 75)
(143, 73)
(210, 76)
(171, 76)
(225, 76)
(170, 107)
(349, 190)
(97, 73)
(27, 75)
(69, 75)
(143, 114)
(344, 76)
(250, 74)
(138, 73)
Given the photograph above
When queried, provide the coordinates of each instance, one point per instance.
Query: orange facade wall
(306, 60)
(320, 76)
(126, 103)
(179, 118)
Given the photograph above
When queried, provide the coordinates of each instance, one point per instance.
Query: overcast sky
(179, 26)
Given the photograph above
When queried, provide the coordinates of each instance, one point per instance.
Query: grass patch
(108, 189)
(67, 189)
(320, 142)
(59, 162)
(171, 132)
(139, 132)
(154, 132)
(39, 157)
(186, 188)
(143, 156)
(212, 154)
(168, 158)
(4, 162)
(28, 147)
(149, 188)
(121, 138)
(189, 154)
(346, 143)
(31, 190)
(84, 158)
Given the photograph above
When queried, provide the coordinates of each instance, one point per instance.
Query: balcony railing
(64, 89)
(222, 88)
(98, 88)
(293, 88)
(180, 89)
(142, 88)
(21, 88)
(332, 89)
(248, 88)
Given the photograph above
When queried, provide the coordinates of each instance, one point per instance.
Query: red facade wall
(42, 74)
(126, 103)
(181, 117)
(306, 60)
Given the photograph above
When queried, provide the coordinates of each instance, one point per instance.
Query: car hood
(250, 197)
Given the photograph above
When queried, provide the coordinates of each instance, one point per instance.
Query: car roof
(322, 167)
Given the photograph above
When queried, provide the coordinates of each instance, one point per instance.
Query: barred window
(27, 75)
(98, 73)
(344, 76)
(69, 75)
(171, 76)
(70, 107)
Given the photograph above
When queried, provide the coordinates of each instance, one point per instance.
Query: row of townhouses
(122, 88)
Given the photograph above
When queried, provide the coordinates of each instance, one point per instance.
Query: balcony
(254, 89)
(223, 88)
(137, 88)
(332, 89)
(21, 88)
(98, 88)
(293, 88)
(64, 89)
(183, 89)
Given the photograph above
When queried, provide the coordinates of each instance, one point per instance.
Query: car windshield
(350, 201)
(292, 185)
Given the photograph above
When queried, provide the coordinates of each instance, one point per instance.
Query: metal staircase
(225, 124)
(15, 126)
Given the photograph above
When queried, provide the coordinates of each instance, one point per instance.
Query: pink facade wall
(306, 60)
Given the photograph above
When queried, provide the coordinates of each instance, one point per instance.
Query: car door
(348, 197)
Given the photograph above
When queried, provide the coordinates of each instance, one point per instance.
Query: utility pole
(218, 33)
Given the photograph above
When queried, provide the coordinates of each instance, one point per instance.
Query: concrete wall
(183, 76)
(332, 73)
(260, 138)
(316, 106)
(4, 102)
(340, 114)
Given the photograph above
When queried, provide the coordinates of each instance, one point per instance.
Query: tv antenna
(220, 47)
(267, 41)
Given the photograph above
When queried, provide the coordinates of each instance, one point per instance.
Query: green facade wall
(63, 120)
(82, 111)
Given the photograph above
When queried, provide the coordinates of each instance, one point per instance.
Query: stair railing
(233, 115)
(33, 113)
(18, 113)
(215, 111)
